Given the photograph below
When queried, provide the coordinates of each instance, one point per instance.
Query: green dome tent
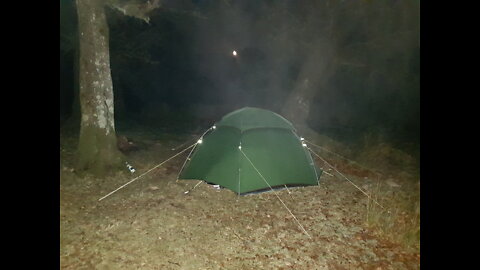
(249, 150)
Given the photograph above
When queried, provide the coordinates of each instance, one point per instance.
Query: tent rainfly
(249, 150)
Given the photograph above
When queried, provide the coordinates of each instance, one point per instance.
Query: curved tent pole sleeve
(189, 154)
(307, 154)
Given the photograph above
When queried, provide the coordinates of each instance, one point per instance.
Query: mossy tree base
(97, 152)
(97, 148)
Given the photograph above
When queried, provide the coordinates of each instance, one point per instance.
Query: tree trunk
(76, 112)
(313, 76)
(97, 147)
(312, 79)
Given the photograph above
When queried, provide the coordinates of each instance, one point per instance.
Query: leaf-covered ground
(153, 224)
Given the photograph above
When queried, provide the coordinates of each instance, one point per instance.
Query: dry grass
(401, 222)
(396, 187)
(398, 190)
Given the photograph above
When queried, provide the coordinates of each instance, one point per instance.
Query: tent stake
(188, 191)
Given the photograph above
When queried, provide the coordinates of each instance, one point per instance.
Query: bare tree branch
(139, 9)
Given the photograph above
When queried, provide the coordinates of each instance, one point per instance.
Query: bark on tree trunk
(76, 112)
(119, 101)
(313, 76)
(97, 147)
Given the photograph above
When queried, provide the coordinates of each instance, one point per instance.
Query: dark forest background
(178, 71)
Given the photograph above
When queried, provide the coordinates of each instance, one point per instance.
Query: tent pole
(198, 141)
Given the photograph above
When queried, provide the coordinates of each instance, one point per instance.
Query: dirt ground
(153, 224)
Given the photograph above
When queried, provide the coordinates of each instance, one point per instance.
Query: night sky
(180, 65)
